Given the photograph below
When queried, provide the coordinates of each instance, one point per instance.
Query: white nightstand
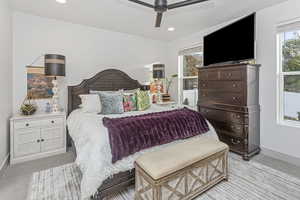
(37, 136)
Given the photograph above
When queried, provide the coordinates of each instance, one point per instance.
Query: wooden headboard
(107, 80)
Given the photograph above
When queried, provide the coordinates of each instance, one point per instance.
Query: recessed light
(171, 29)
(61, 1)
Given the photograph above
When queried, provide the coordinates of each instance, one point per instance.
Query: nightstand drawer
(27, 124)
(52, 122)
(53, 144)
(52, 133)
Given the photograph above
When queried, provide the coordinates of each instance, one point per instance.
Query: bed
(100, 177)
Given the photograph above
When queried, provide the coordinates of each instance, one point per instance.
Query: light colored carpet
(247, 181)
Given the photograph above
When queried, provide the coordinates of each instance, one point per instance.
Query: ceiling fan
(161, 6)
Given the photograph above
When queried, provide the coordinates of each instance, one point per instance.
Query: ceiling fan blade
(158, 19)
(142, 3)
(184, 3)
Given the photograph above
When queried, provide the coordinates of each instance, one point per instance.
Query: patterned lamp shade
(55, 65)
(158, 71)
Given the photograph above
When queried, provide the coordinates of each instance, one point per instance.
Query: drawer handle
(229, 74)
(234, 85)
(235, 98)
(27, 124)
(234, 127)
(236, 116)
(235, 141)
(38, 141)
(42, 140)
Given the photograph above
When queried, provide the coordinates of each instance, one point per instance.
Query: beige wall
(5, 77)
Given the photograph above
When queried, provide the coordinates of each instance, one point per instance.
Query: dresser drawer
(235, 144)
(52, 144)
(215, 97)
(224, 116)
(230, 86)
(51, 133)
(209, 75)
(230, 74)
(235, 130)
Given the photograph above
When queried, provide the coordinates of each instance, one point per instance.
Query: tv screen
(235, 42)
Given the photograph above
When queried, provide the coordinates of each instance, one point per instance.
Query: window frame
(280, 84)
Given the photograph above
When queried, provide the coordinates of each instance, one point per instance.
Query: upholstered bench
(181, 171)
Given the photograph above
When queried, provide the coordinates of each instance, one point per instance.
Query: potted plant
(169, 82)
(28, 106)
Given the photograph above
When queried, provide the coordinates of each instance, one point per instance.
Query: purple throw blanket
(129, 135)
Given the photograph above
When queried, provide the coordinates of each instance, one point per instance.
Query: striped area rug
(248, 181)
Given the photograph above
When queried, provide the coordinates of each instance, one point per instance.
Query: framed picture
(38, 85)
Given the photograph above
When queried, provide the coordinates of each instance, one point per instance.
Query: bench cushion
(168, 160)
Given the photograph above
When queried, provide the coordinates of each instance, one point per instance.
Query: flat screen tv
(232, 43)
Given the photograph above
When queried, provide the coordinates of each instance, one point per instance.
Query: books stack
(166, 97)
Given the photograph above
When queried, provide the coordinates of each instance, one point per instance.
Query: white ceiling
(127, 17)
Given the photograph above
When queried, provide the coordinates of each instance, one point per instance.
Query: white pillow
(90, 103)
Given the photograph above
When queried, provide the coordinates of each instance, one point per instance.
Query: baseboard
(4, 165)
(281, 156)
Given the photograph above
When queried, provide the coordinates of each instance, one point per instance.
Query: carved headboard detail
(107, 80)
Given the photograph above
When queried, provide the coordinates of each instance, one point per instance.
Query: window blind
(191, 50)
(292, 26)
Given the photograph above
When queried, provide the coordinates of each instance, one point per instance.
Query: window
(189, 62)
(289, 77)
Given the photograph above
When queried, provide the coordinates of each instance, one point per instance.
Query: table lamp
(158, 73)
(54, 67)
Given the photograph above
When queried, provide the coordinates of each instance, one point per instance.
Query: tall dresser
(229, 99)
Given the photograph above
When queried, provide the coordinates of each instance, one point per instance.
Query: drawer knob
(235, 98)
(52, 122)
(238, 116)
(234, 85)
(27, 124)
(229, 74)
(38, 141)
(42, 140)
(233, 141)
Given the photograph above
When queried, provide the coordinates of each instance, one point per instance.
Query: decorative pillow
(112, 103)
(90, 103)
(143, 100)
(129, 102)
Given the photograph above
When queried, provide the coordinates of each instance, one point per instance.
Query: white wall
(88, 50)
(175, 46)
(5, 77)
(274, 137)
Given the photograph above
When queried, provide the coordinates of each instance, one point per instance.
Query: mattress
(93, 150)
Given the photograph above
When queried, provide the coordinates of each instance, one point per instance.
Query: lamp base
(55, 97)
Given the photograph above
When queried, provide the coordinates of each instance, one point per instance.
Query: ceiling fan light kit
(161, 6)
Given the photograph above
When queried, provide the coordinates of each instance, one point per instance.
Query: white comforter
(93, 149)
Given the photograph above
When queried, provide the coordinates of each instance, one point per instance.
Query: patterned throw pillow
(130, 102)
(143, 100)
(112, 103)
